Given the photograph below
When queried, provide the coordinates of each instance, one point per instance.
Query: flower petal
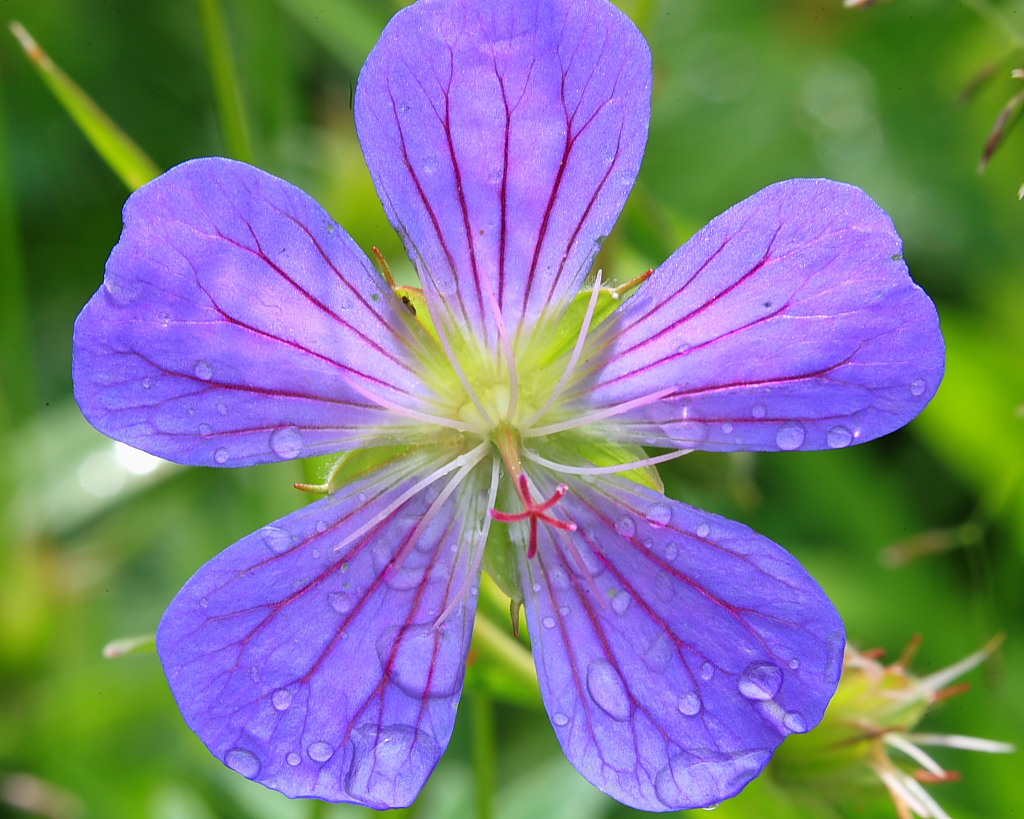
(239, 324)
(312, 661)
(789, 322)
(503, 139)
(675, 648)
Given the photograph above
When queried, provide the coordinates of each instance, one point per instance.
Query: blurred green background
(922, 532)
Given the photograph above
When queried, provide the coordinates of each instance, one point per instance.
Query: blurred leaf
(343, 27)
(116, 148)
(141, 644)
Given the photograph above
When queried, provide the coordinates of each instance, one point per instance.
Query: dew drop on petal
(707, 671)
(549, 622)
(277, 539)
(625, 526)
(689, 704)
(560, 719)
(293, 759)
(620, 602)
(286, 442)
(794, 663)
(243, 761)
(203, 371)
(918, 386)
(703, 530)
(671, 552)
(727, 428)
(790, 436)
(147, 382)
(760, 681)
(794, 722)
(693, 780)
(205, 429)
(839, 437)
(281, 699)
(221, 455)
(607, 690)
(759, 411)
(321, 526)
(222, 408)
(320, 751)
(659, 515)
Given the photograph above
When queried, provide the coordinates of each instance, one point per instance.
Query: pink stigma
(535, 512)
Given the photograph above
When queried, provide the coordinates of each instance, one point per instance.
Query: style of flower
(506, 405)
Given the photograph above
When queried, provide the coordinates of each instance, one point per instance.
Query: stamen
(598, 415)
(535, 512)
(478, 545)
(476, 453)
(460, 373)
(570, 367)
(530, 455)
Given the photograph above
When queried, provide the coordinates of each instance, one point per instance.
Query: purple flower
(323, 655)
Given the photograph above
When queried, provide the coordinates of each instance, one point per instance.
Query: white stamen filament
(529, 454)
(506, 346)
(477, 452)
(902, 744)
(407, 412)
(963, 743)
(570, 367)
(478, 548)
(898, 784)
(460, 373)
(598, 415)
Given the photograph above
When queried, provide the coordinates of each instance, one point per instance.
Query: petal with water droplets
(239, 324)
(309, 658)
(789, 322)
(674, 653)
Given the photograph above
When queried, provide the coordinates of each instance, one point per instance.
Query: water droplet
(625, 526)
(389, 763)
(689, 704)
(321, 526)
(320, 751)
(254, 673)
(549, 622)
(918, 386)
(727, 428)
(838, 437)
(607, 690)
(760, 681)
(560, 719)
(696, 781)
(281, 699)
(703, 530)
(205, 429)
(794, 722)
(203, 371)
(759, 411)
(536, 588)
(340, 602)
(707, 671)
(293, 759)
(147, 382)
(790, 436)
(422, 660)
(659, 515)
(620, 602)
(221, 455)
(222, 408)
(429, 165)
(671, 551)
(278, 540)
(243, 761)
(286, 442)
(794, 663)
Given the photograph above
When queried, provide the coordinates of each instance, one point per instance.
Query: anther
(535, 512)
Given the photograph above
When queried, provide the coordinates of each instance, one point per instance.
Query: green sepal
(354, 465)
(575, 449)
(500, 560)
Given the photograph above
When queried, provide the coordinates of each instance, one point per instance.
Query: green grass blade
(118, 150)
(228, 93)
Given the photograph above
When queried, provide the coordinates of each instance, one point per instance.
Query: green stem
(496, 646)
(230, 109)
(485, 755)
